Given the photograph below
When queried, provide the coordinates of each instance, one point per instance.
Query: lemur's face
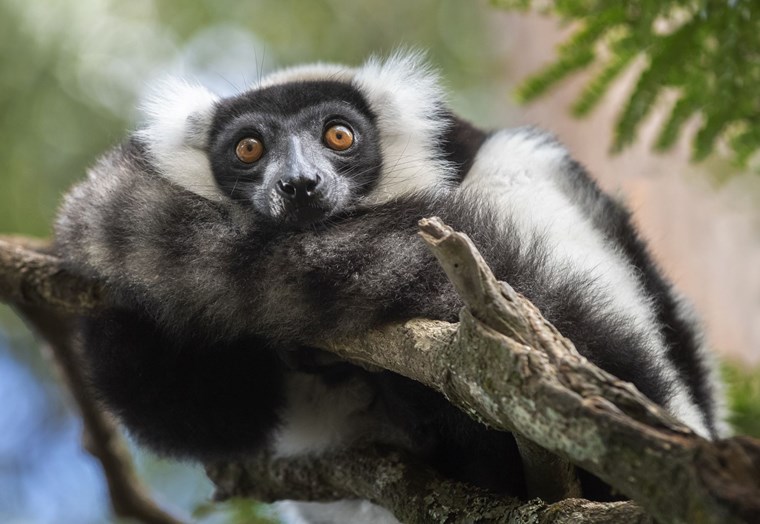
(298, 153)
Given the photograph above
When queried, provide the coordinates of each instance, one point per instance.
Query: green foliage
(233, 511)
(707, 51)
(40, 127)
(743, 399)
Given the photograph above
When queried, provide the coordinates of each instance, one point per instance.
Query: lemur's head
(306, 142)
(297, 152)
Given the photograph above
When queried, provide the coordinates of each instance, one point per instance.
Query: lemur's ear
(177, 120)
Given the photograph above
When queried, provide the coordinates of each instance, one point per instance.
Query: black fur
(460, 144)
(179, 394)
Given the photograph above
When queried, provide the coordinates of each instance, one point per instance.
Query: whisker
(397, 165)
(234, 187)
(263, 61)
(403, 152)
(234, 87)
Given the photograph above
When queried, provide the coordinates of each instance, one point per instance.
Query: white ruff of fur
(405, 94)
(177, 117)
(402, 91)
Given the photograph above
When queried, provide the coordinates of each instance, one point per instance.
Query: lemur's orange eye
(249, 150)
(339, 137)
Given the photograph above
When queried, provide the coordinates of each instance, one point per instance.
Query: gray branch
(504, 364)
(398, 482)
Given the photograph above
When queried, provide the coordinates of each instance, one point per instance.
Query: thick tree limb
(412, 491)
(31, 277)
(510, 368)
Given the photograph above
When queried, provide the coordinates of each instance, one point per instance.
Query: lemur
(233, 232)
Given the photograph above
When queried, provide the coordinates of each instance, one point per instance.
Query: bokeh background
(72, 73)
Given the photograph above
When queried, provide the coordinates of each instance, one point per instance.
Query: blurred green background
(71, 76)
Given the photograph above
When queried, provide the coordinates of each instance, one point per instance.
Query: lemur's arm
(184, 259)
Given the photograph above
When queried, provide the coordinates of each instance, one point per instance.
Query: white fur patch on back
(516, 172)
(402, 91)
(177, 118)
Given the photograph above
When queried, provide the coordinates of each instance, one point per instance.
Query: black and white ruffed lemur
(234, 231)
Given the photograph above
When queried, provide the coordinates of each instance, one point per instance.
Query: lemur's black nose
(301, 187)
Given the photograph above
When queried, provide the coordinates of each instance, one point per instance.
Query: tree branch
(30, 276)
(396, 481)
(506, 365)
